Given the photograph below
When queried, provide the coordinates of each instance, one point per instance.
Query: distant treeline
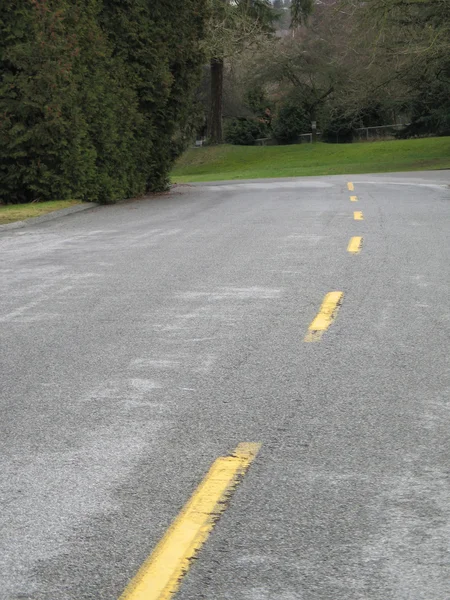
(95, 95)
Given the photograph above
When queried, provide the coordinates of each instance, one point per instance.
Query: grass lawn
(18, 212)
(252, 162)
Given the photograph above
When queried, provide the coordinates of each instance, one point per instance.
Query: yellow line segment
(358, 216)
(355, 245)
(354, 198)
(350, 186)
(160, 576)
(325, 316)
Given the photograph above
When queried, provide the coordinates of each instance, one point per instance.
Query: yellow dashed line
(325, 316)
(350, 186)
(355, 245)
(358, 216)
(160, 576)
(354, 198)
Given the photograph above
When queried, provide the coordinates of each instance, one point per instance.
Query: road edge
(63, 212)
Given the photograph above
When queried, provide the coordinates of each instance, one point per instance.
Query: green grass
(253, 162)
(19, 212)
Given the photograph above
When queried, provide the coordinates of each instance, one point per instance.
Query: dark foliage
(290, 122)
(430, 108)
(95, 96)
(338, 130)
(245, 132)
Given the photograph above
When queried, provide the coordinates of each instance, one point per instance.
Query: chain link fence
(361, 134)
(384, 132)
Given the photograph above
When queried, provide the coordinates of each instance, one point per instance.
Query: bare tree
(235, 27)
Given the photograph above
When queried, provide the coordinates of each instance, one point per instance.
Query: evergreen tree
(95, 96)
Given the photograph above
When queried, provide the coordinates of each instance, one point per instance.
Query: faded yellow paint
(358, 216)
(350, 186)
(160, 576)
(354, 198)
(325, 316)
(355, 245)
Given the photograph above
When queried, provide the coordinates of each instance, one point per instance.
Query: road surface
(143, 341)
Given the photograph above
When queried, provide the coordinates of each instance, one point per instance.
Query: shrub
(245, 132)
(338, 130)
(430, 110)
(290, 122)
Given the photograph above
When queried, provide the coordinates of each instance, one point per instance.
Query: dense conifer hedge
(95, 95)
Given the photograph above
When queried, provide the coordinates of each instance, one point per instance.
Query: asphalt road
(142, 341)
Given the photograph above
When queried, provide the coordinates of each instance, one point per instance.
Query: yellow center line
(160, 576)
(325, 316)
(355, 245)
(350, 186)
(354, 198)
(358, 216)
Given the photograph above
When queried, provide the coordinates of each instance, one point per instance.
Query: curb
(49, 216)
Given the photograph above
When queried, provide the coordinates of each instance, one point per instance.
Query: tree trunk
(215, 133)
(313, 126)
